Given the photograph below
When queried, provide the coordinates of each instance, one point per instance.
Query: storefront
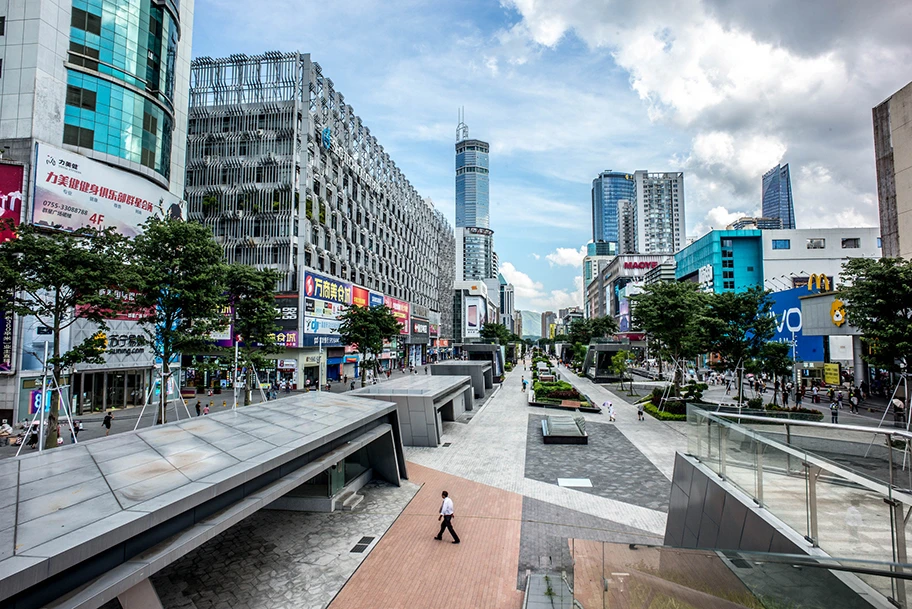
(419, 339)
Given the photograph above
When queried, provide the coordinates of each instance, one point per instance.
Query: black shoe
(457, 541)
(438, 538)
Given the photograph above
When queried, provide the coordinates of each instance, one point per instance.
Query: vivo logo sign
(790, 320)
(640, 265)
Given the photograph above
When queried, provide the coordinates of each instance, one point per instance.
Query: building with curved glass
(609, 192)
(472, 182)
(107, 79)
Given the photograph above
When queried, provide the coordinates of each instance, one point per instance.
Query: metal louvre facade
(289, 177)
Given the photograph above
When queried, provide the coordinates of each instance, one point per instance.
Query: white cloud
(531, 295)
(567, 256)
(536, 256)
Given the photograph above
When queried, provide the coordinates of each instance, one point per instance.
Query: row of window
(817, 243)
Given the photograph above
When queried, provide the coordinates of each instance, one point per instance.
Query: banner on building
(125, 344)
(400, 310)
(789, 317)
(360, 296)
(73, 191)
(6, 341)
(376, 300)
(11, 199)
(323, 288)
(474, 316)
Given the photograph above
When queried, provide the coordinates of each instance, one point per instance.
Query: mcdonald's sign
(822, 282)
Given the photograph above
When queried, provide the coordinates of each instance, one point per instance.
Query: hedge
(663, 415)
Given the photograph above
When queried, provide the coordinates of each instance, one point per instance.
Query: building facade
(893, 158)
(612, 192)
(630, 269)
(723, 261)
(777, 196)
(748, 223)
(507, 308)
(548, 321)
(790, 257)
(475, 258)
(290, 178)
(92, 118)
(659, 215)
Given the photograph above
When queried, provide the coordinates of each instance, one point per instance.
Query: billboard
(790, 324)
(360, 296)
(125, 344)
(72, 192)
(325, 299)
(323, 288)
(420, 330)
(6, 341)
(473, 317)
(10, 196)
(375, 299)
(34, 335)
(400, 310)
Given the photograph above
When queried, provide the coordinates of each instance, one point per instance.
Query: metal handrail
(888, 490)
(862, 428)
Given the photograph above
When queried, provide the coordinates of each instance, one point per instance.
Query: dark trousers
(446, 525)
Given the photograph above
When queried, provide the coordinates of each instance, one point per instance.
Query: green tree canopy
(673, 315)
(58, 277)
(366, 328)
(739, 326)
(492, 331)
(878, 301)
(179, 278)
(251, 295)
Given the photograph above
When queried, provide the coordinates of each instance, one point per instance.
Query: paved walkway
(409, 568)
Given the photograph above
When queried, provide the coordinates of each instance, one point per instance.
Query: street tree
(56, 278)
(877, 295)
(619, 366)
(366, 328)
(673, 316)
(492, 331)
(251, 295)
(179, 279)
(738, 326)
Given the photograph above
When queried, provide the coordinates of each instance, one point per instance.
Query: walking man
(107, 422)
(199, 407)
(834, 412)
(446, 515)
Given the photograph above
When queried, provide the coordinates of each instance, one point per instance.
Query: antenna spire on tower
(462, 130)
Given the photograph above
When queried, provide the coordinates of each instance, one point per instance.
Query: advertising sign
(34, 335)
(72, 191)
(360, 296)
(125, 348)
(287, 320)
(420, 330)
(287, 364)
(831, 374)
(6, 341)
(400, 310)
(324, 288)
(790, 324)
(376, 299)
(10, 196)
(317, 325)
(473, 317)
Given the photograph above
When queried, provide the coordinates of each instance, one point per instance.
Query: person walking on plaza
(352, 388)
(107, 422)
(199, 407)
(640, 416)
(610, 408)
(834, 412)
(524, 385)
(853, 403)
(446, 516)
(205, 410)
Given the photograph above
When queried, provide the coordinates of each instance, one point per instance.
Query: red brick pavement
(409, 569)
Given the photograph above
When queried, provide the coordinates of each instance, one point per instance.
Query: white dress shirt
(447, 508)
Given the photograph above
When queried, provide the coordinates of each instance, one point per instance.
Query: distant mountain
(531, 324)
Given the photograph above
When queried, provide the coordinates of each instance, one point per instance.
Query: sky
(722, 90)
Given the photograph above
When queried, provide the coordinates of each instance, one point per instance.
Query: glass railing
(845, 489)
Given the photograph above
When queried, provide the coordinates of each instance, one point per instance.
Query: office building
(748, 223)
(518, 323)
(290, 178)
(893, 158)
(548, 320)
(475, 257)
(97, 92)
(507, 309)
(659, 215)
(609, 190)
(723, 261)
(777, 196)
(620, 272)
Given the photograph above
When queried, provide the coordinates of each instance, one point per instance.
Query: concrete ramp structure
(423, 403)
(481, 373)
(86, 523)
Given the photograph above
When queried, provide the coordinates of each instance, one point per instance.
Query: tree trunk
(363, 369)
(163, 400)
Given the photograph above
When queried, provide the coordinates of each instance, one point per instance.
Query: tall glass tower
(609, 189)
(777, 196)
(474, 238)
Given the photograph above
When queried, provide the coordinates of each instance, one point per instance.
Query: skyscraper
(609, 190)
(893, 159)
(475, 258)
(777, 196)
(659, 214)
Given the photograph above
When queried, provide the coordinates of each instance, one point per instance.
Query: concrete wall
(482, 376)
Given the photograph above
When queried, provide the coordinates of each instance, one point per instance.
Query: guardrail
(833, 501)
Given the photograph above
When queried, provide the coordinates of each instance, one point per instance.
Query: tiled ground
(615, 467)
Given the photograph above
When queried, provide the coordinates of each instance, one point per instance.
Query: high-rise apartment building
(612, 192)
(893, 157)
(777, 196)
(507, 308)
(93, 119)
(290, 178)
(659, 216)
(548, 320)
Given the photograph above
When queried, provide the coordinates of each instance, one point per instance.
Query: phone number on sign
(60, 207)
